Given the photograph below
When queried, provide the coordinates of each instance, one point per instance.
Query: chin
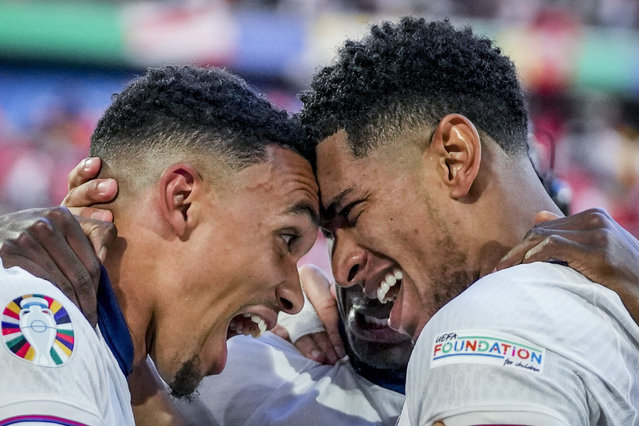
(187, 379)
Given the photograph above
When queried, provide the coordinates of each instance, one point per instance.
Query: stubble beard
(186, 380)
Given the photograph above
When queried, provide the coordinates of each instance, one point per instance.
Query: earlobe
(457, 146)
(179, 184)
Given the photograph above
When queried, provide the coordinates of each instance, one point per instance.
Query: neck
(507, 210)
(132, 291)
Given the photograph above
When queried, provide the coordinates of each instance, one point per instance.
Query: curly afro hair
(409, 75)
(207, 110)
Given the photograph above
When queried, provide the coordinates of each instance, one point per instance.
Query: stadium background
(60, 62)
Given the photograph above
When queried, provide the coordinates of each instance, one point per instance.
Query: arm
(590, 242)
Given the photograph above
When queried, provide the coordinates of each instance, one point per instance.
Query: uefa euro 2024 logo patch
(38, 329)
(487, 347)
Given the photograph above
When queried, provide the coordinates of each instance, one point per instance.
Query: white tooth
(390, 280)
(385, 287)
(398, 274)
(380, 295)
(261, 325)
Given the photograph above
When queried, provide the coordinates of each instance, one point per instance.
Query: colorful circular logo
(38, 329)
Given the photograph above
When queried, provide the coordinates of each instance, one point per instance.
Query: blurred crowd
(613, 13)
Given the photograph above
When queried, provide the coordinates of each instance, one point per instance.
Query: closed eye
(346, 211)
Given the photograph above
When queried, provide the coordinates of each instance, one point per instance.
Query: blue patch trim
(113, 326)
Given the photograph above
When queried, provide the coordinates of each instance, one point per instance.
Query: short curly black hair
(203, 109)
(410, 74)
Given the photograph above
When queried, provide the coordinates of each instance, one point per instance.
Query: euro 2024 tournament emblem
(38, 329)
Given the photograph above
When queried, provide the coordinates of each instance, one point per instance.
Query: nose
(289, 293)
(348, 260)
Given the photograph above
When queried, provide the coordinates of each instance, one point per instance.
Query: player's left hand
(590, 242)
(51, 244)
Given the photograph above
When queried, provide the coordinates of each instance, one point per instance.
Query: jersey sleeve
(485, 385)
(55, 367)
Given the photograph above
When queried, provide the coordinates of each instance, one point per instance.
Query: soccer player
(425, 183)
(216, 204)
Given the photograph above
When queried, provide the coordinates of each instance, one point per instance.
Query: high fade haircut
(407, 76)
(204, 110)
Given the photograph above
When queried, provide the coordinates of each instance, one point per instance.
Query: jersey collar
(113, 326)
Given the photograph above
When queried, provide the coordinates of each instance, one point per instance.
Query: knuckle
(24, 240)
(597, 218)
(59, 213)
(42, 226)
(84, 281)
(552, 242)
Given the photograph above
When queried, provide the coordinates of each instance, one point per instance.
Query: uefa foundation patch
(490, 348)
(38, 329)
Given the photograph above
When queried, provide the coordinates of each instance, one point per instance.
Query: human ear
(457, 147)
(179, 185)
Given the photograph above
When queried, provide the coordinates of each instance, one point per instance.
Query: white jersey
(267, 381)
(533, 344)
(54, 367)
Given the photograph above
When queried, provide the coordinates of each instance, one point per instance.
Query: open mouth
(389, 286)
(372, 325)
(247, 324)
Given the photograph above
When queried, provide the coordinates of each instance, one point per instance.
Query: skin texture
(51, 244)
(237, 261)
(378, 347)
(415, 204)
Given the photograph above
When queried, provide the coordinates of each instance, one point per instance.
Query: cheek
(392, 227)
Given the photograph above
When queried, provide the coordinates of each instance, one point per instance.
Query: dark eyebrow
(330, 212)
(304, 207)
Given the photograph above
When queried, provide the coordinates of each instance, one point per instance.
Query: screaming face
(253, 233)
(384, 213)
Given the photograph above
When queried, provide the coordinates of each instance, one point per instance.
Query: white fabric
(301, 324)
(586, 346)
(268, 382)
(88, 388)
